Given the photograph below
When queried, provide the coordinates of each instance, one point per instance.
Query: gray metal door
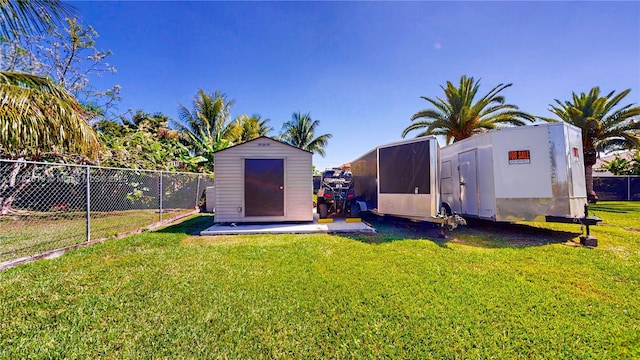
(264, 187)
(468, 183)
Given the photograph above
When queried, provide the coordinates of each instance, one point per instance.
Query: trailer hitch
(449, 222)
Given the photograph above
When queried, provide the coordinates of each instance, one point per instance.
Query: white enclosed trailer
(401, 179)
(527, 173)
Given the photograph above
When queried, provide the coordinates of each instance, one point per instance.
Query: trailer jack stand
(442, 235)
(588, 240)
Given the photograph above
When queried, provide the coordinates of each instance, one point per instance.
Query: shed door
(264, 187)
(468, 183)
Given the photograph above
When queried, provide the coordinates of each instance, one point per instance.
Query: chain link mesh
(44, 206)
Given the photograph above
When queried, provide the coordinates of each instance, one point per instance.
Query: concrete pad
(337, 226)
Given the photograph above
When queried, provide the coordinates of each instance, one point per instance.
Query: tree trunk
(589, 161)
(9, 189)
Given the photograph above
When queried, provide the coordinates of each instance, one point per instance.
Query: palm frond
(31, 17)
(40, 116)
(457, 115)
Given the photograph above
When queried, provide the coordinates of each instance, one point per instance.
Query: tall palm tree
(31, 16)
(458, 117)
(207, 127)
(300, 132)
(38, 116)
(603, 127)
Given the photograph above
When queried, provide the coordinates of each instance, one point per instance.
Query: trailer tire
(355, 210)
(447, 209)
(323, 211)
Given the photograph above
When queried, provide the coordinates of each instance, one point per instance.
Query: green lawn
(35, 233)
(489, 291)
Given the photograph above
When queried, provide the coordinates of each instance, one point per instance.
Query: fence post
(160, 196)
(629, 187)
(198, 191)
(88, 187)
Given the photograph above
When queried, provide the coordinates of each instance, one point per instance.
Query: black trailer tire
(355, 210)
(447, 209)
(323, 211)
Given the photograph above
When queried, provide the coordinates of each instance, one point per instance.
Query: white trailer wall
(514, 174)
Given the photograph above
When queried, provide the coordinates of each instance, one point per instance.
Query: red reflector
(350, 196)
(328, 195)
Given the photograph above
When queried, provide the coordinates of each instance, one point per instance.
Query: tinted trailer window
(405, 169)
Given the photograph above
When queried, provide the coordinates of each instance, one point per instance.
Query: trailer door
(468, 182)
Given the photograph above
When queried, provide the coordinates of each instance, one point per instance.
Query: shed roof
(264, 138)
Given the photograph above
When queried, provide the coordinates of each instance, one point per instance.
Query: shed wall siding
(229, 181)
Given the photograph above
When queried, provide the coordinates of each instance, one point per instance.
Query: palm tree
(458, 117)
(300, 132)
(207, 126)
(248, 128)
(603, 127)
(30, 17)
(38, 116)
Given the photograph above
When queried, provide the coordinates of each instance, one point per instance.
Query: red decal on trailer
(519, 157)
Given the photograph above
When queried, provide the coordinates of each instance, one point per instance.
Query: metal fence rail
(47, 206)
(625, 187)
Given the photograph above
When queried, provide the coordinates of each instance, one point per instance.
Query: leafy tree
(603, 126)
(143, 142)
(458, 117)
(207, 127)
(622, 166)
(300, 132)
(39, 117)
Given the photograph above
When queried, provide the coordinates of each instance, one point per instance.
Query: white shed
(263, 180)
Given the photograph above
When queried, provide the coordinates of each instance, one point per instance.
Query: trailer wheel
(355, 210)
(447, 209)
(323, 211)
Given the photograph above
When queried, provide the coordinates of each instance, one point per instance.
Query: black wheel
(355, 210)
(447, 209)
(323, 211)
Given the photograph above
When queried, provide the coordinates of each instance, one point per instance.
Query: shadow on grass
(479, 233)
(611, 209)
(617, 207)
(191, 226)
(391, 229)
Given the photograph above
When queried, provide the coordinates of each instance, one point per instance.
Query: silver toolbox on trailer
(400, 179)
(527, 173)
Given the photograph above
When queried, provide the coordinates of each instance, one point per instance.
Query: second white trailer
(528, 173)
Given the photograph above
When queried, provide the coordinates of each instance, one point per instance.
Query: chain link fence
(48, 206)
(624, 187)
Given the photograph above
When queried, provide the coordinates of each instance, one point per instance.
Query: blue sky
(361, 67)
